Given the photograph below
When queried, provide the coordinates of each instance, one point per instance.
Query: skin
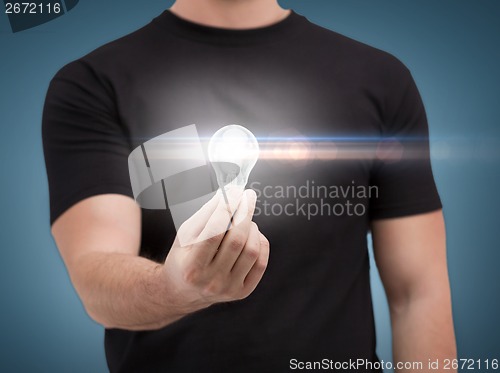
(410, 253)
(99, 240)
(232, 14)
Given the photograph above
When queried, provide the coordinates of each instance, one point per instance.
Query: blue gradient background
(451, 46)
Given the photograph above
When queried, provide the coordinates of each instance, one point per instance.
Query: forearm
(423, 331)
(126, 292)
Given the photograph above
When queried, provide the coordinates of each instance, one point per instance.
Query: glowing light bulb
(233, 151)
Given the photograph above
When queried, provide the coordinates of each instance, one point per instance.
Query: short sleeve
(85, 146)
(402, 170)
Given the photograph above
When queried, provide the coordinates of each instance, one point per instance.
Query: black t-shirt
(334, 117)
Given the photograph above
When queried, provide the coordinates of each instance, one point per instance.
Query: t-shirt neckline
(280, 30)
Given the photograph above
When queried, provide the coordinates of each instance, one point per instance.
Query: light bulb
(233, 151)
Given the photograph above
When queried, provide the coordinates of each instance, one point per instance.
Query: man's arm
(411, 256)
(99, 240)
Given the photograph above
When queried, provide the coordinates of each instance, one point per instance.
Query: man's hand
(219, 266)
(99, 240)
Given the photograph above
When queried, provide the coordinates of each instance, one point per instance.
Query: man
(209, 307)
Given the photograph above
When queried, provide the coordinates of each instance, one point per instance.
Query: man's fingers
(232, 245)
(210, 238)
(245, 207)
(255, 274)
(212, 234)
(248, 255)
(235, 239)
(192, 227)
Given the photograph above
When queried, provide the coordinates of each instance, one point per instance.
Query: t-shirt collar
(281, 30)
